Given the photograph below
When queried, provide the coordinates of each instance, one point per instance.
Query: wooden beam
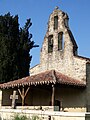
(0, 98)
(27, 91)
(53, 95)
(23, 94)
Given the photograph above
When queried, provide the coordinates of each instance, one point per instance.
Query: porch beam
(23, 94)
(26, 91)
(53, 95)
(0, 98)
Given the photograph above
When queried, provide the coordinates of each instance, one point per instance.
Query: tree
(15, 45)
(25, 45)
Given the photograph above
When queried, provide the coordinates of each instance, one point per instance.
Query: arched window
(50, 44)
(55, 22)
(60, 41)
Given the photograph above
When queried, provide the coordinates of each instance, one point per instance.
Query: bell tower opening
(60, 41)
(50, 44)
(55, 22)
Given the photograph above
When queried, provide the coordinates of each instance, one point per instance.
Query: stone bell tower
(59, 45)
(59, 48)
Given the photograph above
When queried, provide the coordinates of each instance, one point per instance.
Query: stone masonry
(66, 60)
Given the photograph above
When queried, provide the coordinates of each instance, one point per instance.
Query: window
(60, 41)
(55, 22)
(50, 44)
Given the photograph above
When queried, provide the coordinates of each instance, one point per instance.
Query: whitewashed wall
(8, 114)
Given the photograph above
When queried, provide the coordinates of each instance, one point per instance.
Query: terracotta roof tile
(63, 79)
(46, 77)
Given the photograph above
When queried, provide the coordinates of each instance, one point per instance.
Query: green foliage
(15, 45)
(25, 45)
(8, 47)
(22, 117)
(35, 118)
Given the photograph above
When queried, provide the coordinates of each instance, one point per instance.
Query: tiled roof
(43, 78)
(63, 79)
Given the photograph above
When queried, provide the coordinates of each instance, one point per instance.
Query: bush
(35, 118)
(22, 117)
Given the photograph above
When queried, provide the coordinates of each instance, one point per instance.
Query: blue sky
(39, 11)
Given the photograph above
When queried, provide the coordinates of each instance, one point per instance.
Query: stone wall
(6, 114)
(88, 87)
(72, 100)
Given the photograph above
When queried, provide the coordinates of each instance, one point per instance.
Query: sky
(39, 12)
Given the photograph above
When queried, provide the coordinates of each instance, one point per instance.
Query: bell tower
(59, 41)
(59, 48)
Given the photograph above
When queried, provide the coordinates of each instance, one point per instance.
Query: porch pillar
(53, 95)
(0, 98)
(23, 94)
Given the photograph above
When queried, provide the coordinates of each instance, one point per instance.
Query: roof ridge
(82, 57)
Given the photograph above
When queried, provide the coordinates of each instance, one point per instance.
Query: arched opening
(50, 44)
(60, 41)
(55, 22)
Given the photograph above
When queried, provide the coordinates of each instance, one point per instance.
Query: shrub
(35, 118)
(22, 117)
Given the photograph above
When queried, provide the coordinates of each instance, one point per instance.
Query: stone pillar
(0, 98)
(87, 116)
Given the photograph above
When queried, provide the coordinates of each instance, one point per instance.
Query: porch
(49, 90)
(6, 114)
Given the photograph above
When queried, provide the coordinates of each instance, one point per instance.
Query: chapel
(61, 81)
(59, 53)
